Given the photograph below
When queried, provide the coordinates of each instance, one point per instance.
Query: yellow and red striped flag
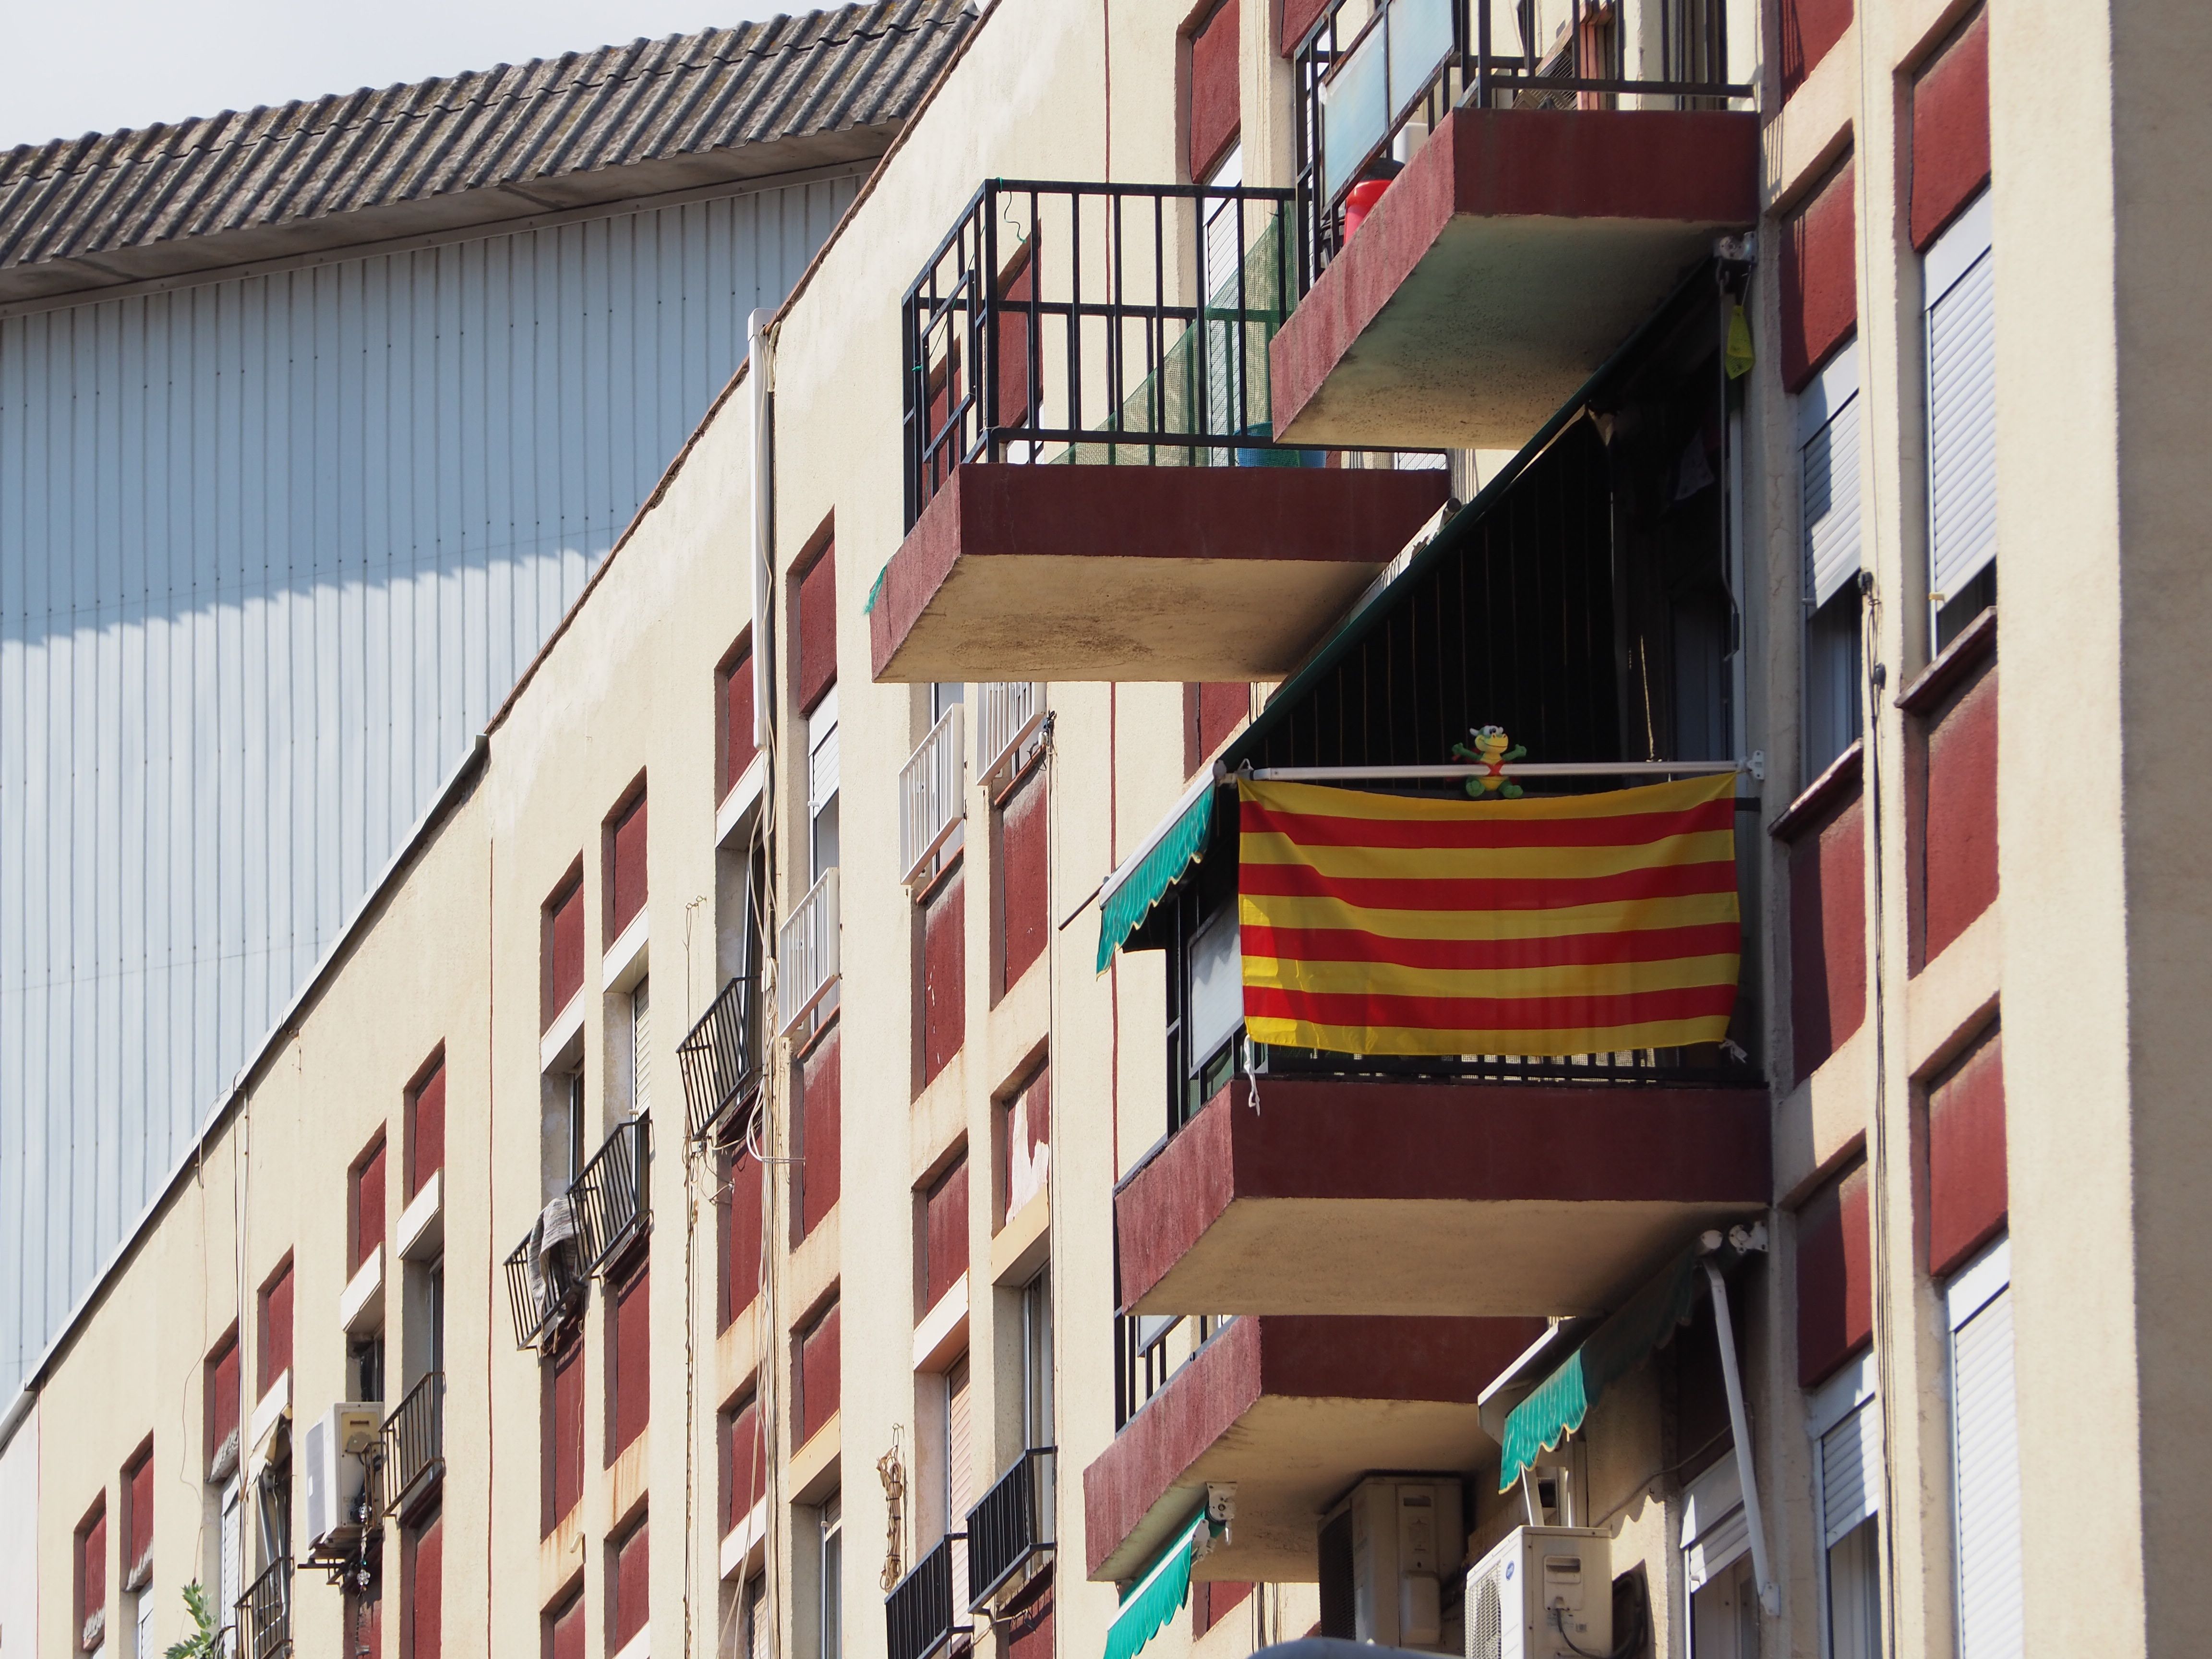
(1584, 924)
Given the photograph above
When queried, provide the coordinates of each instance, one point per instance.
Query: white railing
(1007, 714)
(933, 797)
(807, 953)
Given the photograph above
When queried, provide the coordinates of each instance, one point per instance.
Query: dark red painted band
(1624, 830)
(1485, 893)
(1571, 950)
(1374, 1011)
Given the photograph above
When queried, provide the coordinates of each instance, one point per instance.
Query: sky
(78, 66)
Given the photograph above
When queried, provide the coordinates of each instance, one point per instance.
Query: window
(641, 1046)
(759, 1620)
(563, 1127)
(734, 712)
(625, 855)
(366, 1202)
(630, 1357)
(820, 1086)
(92, 1578)
(364, 1367)
(1036, 1362)
(741, 1229)
(230, 1571)
(425, 1126)
(815, 662)
(831, 1573)
(1959, 282)
(629, 1583)
(943, 1257)
(275, 1327)
(822, 786)
(1985, 1457)
(1828, 415)
(423, 1545)
(563, 946)
(1025, 1142)
(564, 1628)
(958, 1432)
(1215, 84)
(1845, 1421)
(1716, 1573)
(136, 1560)
(564, 1476)
(817, 1370)
(219, 1387)
(745, 1451)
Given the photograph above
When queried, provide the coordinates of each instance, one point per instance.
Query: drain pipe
(1743, 1238)
(760, 351)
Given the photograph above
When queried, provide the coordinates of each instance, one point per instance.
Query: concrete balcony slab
(1294, 1411)
(1136, 573)
(1453, 1198)
(1517, 250)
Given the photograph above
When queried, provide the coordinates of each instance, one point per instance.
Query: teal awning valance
(1564, 1399)
(1144, 877)
(1157, 1597)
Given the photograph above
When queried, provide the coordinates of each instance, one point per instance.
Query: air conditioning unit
(1407, 1537)
(336, 1448)
(1543, 1593)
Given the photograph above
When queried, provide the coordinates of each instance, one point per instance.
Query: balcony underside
(1294, 1411)
(1471, 1199)
(1136, 573)
(1514, 255)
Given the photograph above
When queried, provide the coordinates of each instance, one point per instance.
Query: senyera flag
(1572, 925)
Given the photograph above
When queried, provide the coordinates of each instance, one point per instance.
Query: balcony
(918, 1613)
(1555, 187)
(264, 1614)
(1092, 489)
(1011, 1531)
(932, 801)
(1476, 1198)
(721, 1057)
(1009, 720)
(414, 1445)
(545, 1287)
(1292, 1411)
(612, 1195)
(807, 955)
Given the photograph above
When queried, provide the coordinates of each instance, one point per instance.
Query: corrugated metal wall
(271, 552)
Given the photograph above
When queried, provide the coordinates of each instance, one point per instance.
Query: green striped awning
(1564, 1399)
(1157, 1597)
(1144, 877)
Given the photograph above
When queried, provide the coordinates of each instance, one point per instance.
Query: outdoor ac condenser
(336, 1449)
(1543, 1593)
(1407, 1537)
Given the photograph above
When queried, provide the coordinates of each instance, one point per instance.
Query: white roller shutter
(1986, 1461)
(1959, 277)
(1851, 1472)
(230, 1582)
(641, 1046)
(1828, 455)
(959, 1475)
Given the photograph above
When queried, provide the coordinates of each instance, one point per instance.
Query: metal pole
(1769, 1596)
(1511, 769)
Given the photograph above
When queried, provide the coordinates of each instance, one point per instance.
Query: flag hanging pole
(1755, 766)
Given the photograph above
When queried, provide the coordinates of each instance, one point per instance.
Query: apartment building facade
(1013, 1182)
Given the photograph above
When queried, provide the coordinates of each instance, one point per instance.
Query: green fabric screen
(1564, 1399)
(1155, 1598)
(1124, 908)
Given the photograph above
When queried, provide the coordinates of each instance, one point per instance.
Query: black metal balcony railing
(1367, 73)
(918, 1613)
(613, 1204)
(264, 1614)
(544, 1287)
(1145, 1355)
(414, 1444)
(720, 1059)
(1013, 1524)
(1097, 323)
